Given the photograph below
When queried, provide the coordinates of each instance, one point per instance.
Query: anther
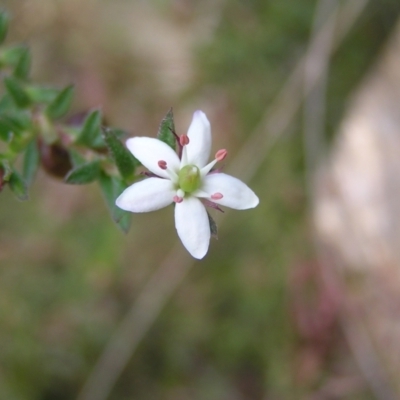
(177, 199)
(221, 154)
(183, 140)
(162, 164)
(217, 196)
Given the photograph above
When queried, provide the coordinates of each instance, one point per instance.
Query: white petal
(147, 195)
(193, 228)
(150, 151)
(236, 194)
(199, 133)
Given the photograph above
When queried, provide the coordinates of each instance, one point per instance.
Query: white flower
(186, 180)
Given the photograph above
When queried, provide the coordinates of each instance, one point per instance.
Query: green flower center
(189, 178)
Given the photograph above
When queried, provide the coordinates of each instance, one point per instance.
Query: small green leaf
(61, 104)
(83, 174)
(125, 161)
(11, 55)
(6, 103)
(91, 129)
(17, 92)
(166, 128)
(111, 188)
(4, 20)
(13, 124)
(213, 226)
(31, 162)
(6, 129)
(39, 94)
(23, 66)
(18, 186)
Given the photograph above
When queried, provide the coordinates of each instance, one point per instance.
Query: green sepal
(4, 20)
(23, 66)
(166, 128)
(91, 130)
(17, 92)
(83, 174)
(213, 226)
(18, 186)
(61, 104)
(111, 188)
(124, 160)
(31, 162)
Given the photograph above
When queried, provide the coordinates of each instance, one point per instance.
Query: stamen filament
(184, 160)
(219, 156)
(173, 176)
(205, 170)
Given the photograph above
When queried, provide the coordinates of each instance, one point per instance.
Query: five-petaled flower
(186, 180)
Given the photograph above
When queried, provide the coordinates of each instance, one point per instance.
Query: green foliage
(10, 56)
(124, 160)
(41, 95)
(6, 169)
(29, 128)
(111, 188)
(17, 92)
(85, 173)
(31, 162)
(23, 66)
(91, 130)
(167, 129)
(13, 123)
(4, 20)
(6, 128)
(76, 158)
(61, 104)
(18, 186)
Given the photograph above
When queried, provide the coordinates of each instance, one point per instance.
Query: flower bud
(54, 159)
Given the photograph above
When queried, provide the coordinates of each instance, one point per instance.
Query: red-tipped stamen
(177, 199)
(162, 164)
(221, 154)
(183, 140)
(217, 196)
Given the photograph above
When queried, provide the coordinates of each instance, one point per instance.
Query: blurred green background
(232, 329)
